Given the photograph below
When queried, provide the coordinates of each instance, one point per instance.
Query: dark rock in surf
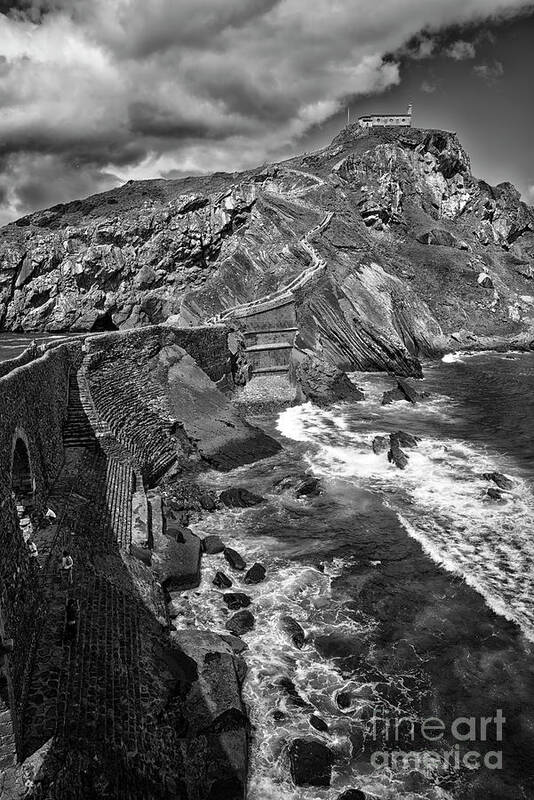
(278, 715)
(396, 455)
(212, 545)
(221, 581)
(324, 383)
(343, 700)
(256, 574)
(240, 498)
(495, 494)
(352, 794)
(240, 623)
(238, 645)
(295, 631)
(380, 444)
(405, 439)
(501, 480)
(318, 723)
(403, 391)
(236, 600)
(391, 396)
(234, 559)
(207, 502)
(311, 762)
(308, 486)
(289, 687)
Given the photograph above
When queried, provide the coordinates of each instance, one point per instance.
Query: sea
(414, 588)
(13, 344)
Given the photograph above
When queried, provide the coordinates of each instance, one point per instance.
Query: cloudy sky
(95, 92)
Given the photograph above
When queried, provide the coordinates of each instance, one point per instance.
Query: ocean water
(13, 344)
(415, 589)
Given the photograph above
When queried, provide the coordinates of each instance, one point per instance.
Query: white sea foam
(442, 501)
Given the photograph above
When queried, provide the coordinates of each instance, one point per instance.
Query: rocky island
(186, 307)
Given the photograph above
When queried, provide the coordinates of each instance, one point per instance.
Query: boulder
(311, 762)
(295, 631)
(239, 498)
(207, 502)
(238, 645)
(343, 700)
(221, 581)
(501, 480)
(240, 623)
(256, 574)
(318, 723)
(212, 545)
(352, 794)
(289, 687)
(307, 486)
(323, 383)
(495, 494)
(392, 396)
(404, 439)
(380, 443)
(177, 561)
(485, 281)
(396, 455)
(234, 559)
(403, 391)
(235, 600)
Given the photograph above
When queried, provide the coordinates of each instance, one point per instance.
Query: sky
(96, 92)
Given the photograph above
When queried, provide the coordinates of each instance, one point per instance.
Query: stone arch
(22, 476)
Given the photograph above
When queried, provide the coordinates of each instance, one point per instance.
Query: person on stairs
(66, 567)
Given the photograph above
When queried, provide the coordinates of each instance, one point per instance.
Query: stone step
(256, 348)
(260, 331)
(270, 370)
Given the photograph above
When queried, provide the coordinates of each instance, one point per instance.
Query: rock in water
(396, 455)
(256, 574)
(221, 581)
(240, 498)
(380, 444)
(234, 559)
(307, 486)
(391, 396)
(343, 700)
(311, 762)
(287, 684)
(405, 439)
(403, 391)
(318, 723)
(235, 600)
(207, 502)
(494, 494)
(323, 383)
(501, 480)
(240, 623)
(212, 545)
(293, 630)
(352, 794)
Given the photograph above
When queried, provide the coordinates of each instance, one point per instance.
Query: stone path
(96, 693)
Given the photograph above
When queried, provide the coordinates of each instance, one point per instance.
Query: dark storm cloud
(92, 89)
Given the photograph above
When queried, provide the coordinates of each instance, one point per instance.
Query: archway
(22, 480)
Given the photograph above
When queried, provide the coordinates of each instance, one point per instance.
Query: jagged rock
(212, 545)
(495, 494)
(240, 623)
(235, 600)
(238, 645)
(396, 455)
(222, 581)
(256, 574)
(239, 498)
(289, 687)
(404, 439)
(234, 559)
(318, 723)
(323, 383)
(177, 562)
(391, 396)
(292, 628)
(501, 480)
(352, 794)
(307, 486)
(380, 443)
(403, 391)
(311, 762)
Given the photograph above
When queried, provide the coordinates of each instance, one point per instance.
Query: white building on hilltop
(398, 120)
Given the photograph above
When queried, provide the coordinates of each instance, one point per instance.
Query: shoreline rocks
(293, 630)
(240, 623)
(311, 762)
(235, 560)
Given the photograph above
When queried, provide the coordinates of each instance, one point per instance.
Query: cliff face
(418, 255)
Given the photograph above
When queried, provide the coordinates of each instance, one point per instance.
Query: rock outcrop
(410, 231)
(323, 383)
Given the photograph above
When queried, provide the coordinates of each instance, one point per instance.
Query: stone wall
(33, 407)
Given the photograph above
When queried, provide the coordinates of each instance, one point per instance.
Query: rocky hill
(417, 256)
